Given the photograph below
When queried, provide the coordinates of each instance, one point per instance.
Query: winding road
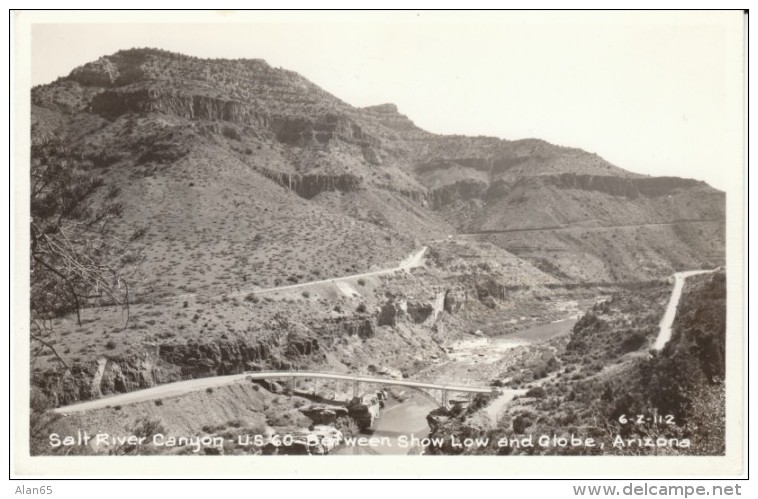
(664, 335)
(414, 260)
(582, 227)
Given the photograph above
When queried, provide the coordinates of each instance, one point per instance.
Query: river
(408, 418)
(397, 419)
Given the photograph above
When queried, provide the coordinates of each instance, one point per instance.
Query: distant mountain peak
(387, 108)
(388, 115)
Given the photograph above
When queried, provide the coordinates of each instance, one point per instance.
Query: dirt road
(664, 335)
(580, 227)
(415, 259)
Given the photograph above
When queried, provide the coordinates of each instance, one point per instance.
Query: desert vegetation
(187, 188)
(606, 383)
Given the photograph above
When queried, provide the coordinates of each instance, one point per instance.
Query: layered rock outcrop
(193, 104)
(389, 116)
(172, 362)
(311, 185)
(617, 186)
(454, 300)
(363, 327)
(463, 190)
(324, 414)
(364, 410)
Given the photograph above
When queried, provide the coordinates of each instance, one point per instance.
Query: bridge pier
(356, 388)
(444, 397)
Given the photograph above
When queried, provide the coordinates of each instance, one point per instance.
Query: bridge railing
(370, 380)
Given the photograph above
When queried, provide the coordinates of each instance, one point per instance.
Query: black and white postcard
(481, 243)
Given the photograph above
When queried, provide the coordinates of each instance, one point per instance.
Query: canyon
(278, 221)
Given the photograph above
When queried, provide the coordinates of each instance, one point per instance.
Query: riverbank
(478, 359)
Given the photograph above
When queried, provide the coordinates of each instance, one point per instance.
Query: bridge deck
(368, 379)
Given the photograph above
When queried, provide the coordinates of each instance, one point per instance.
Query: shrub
(230, 133)
(361, 308)
(236, 423)
(634, 341)
(110, 345)
(362, 282)
(480, 400)
(147, 427)
(347, 426)
(521, 423)
(536, 392)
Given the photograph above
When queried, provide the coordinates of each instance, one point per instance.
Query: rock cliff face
(292, 130)
(116, 102)
(309, 186)
(100, 73)
(364, 410)
(627, 187)
(389, 314)
(492, 189)
(362, 327)
(87, 381)
(388, 115)
(323, 414)
(321, 130)
(463, 190)
(174, 362)
(454, 300)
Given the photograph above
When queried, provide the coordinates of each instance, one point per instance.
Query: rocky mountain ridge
(292, 111)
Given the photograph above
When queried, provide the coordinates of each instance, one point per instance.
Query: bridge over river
(439, 392)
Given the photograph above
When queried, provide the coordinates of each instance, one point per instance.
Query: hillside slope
(228, 160)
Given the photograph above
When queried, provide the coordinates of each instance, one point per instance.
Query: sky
(658, 93)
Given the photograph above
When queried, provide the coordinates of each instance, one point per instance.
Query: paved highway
(191, 385)
(581, 227)
(416, 259)
(664, 334)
